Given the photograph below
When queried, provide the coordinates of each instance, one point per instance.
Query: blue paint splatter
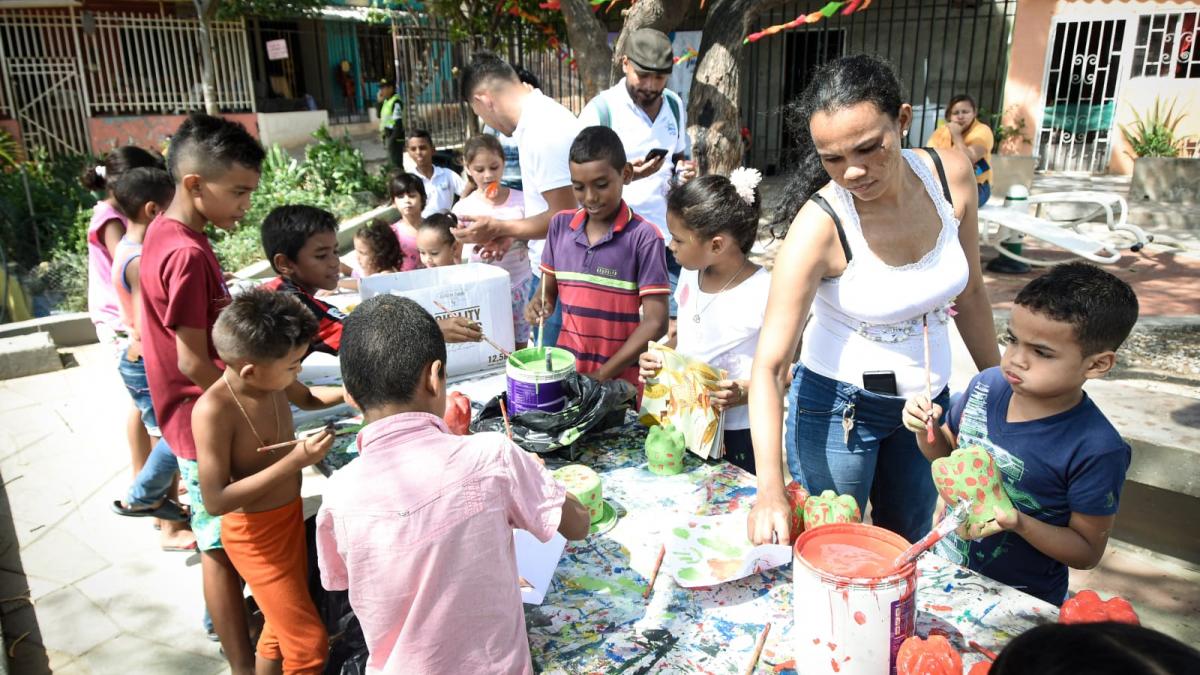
(948, 588)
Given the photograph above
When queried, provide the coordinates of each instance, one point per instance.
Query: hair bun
(745, 181)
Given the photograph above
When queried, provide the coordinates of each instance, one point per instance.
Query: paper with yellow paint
(680, 396)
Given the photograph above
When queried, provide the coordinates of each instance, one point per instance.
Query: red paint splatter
(978, 463)
(816, 641)
(971, 481)
(860, 618)
(790, 664)
(941, 608)
(834, 664)
(832, 646)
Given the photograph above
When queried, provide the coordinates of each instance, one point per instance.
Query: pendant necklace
(695, 317)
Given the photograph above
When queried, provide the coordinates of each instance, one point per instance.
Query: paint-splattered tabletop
(595, 620)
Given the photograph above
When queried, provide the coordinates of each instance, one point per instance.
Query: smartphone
(880, 382)
(655, 154)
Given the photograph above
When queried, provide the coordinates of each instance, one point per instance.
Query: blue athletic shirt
(1071, 462)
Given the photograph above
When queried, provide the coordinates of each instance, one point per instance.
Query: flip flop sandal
(167, 510)
(190, 548)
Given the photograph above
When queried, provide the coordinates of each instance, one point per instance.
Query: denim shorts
(879, 459)
(133, 374)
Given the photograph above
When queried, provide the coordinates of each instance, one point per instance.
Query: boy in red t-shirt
(215, 164)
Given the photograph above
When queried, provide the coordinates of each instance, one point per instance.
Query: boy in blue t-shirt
(1062, 462)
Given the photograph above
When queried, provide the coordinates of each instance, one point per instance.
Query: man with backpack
(648, 117)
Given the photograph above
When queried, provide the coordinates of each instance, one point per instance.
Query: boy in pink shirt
(419, 527)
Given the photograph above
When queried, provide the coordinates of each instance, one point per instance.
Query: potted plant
(1009, 165)
(1159, 173)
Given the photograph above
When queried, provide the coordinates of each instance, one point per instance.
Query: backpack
(672, 101)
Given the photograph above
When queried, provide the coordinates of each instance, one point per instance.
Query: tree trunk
(589, 41)
(661, 15)
(205, 11)
(713, 120)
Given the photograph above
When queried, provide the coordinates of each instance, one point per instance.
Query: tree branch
(713, 121)
(589, 41)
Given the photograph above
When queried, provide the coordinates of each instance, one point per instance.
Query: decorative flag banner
(847, 7)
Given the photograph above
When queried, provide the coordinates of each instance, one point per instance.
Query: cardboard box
(475, 291)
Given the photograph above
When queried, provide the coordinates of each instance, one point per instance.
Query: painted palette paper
(680, 396)
(711, 550)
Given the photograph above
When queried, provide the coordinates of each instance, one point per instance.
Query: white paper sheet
(536, 563)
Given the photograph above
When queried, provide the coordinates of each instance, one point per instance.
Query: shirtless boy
(262, 337)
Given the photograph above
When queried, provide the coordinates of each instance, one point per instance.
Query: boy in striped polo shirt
(604, 264)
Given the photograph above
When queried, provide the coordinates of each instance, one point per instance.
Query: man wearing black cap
(647, 116)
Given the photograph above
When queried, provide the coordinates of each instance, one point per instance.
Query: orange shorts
(268, 550)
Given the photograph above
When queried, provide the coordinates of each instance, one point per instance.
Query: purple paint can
(533, 386)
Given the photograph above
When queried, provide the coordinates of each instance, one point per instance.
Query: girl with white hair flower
(721, 295)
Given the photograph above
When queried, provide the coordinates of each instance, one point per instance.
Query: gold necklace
(696, 316)
(274, 406)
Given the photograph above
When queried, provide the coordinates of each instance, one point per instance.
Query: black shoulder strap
(937, 163)
(837, 223)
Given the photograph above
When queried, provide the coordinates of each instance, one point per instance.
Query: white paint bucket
(850, 625)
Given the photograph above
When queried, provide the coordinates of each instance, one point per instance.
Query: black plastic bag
(347, 645)
(591, 406)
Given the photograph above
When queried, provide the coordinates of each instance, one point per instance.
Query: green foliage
(336, 164)
(1155, 134)
(56, 205)
(1002, 132)
(484, 24)
(8, 151)
(271, 9)
(332, 176)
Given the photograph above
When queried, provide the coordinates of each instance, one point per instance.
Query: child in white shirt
(485, 165)
(441, 184)
(721, 295)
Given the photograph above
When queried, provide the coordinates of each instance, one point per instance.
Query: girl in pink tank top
(105, 230)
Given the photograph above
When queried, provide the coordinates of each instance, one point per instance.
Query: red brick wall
(148, 131)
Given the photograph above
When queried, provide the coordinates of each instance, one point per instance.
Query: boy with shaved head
(215, 165)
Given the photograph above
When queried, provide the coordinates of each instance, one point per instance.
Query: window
(1166, 46)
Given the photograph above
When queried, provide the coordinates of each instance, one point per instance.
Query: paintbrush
(476, 324)
(987, 653)
(654, 573)
(542, 321)
(762, 641)
(504, 414)
(928, 380)
(948, 524)
(537, 386)
(305, 436)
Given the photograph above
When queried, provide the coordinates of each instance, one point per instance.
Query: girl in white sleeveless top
(882, 241)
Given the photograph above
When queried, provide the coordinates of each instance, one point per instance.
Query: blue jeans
(154, 480)
(673, 269)
(553, 322)
(881, 460)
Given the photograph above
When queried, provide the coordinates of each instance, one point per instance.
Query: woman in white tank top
(881, 241)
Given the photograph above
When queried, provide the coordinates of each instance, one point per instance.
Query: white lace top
(870, 317)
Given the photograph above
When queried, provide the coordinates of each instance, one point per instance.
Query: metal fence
(61, 67)
(139, 63)
(429, 59)
(939, 48)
